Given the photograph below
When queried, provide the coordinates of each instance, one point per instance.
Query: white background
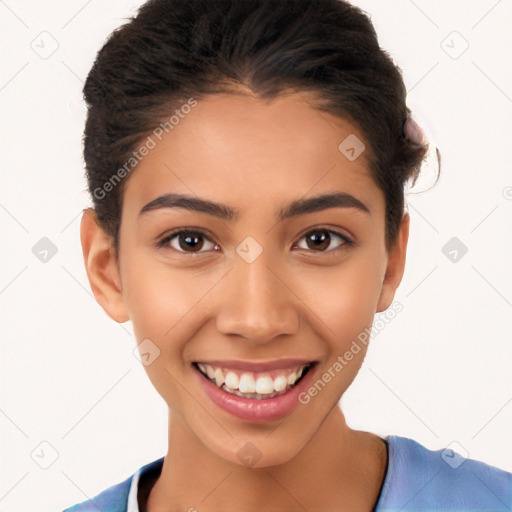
(440, 372)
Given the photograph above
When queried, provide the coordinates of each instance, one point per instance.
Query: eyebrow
(222, 211)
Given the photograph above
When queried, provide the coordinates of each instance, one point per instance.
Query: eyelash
(164, 242)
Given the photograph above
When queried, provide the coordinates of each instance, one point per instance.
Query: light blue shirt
(417, 480)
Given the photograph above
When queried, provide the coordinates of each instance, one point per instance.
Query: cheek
(165, 307)
(344, 297)
(157, 298)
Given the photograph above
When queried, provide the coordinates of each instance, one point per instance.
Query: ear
(102, 267)
(395, 266)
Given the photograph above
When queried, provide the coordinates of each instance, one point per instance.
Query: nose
(257, 303)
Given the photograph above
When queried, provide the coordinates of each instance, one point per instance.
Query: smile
(254, 385)
(255, 391)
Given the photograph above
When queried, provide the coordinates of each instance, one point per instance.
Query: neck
(338, 469)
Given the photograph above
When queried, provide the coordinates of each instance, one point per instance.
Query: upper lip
(257, 366)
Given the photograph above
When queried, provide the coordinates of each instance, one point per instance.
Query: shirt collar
(133, 504)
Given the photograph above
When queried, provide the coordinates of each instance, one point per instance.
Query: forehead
(243, 149)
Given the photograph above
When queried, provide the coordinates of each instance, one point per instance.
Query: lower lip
(254, 409)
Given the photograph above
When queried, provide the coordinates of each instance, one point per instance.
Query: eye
(192, 241)
(187, 241)
(320, 238)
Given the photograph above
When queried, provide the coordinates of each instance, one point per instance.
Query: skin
(292, 301)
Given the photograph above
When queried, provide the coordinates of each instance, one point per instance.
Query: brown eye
(187, 242)
(319, 240)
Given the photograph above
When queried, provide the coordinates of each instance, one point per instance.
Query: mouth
(258, 385)
(255, 391)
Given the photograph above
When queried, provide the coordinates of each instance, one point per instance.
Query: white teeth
(292, 378)
(231, 380)
(264, 385)
(249, 383)
(210, 371)
(280, 383)
(219, 377)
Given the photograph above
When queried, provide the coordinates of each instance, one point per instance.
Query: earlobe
(102, 267)
(395, 266)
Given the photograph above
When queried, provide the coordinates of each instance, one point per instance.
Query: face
(262, 285)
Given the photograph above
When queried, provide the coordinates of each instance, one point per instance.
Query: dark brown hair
(175, 50)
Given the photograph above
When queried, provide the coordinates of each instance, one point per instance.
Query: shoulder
(115, 497)
(435, 480)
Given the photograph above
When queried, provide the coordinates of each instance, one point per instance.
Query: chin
(259, 451)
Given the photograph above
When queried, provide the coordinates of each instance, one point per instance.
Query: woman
(247, 161)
